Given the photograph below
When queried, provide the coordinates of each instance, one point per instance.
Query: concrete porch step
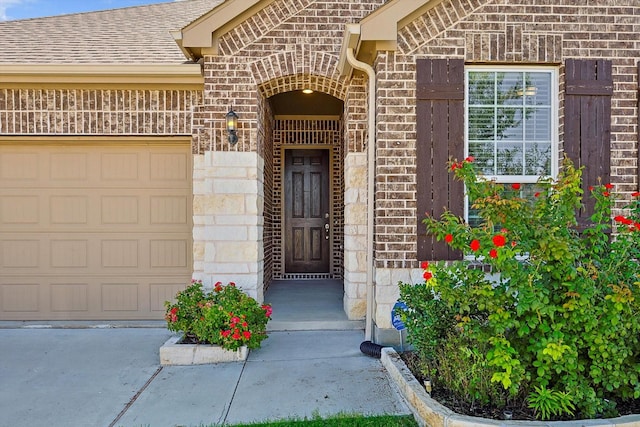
(315, 325)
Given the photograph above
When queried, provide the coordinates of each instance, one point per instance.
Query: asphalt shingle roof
(132, 35)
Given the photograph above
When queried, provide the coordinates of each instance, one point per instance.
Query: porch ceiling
(296, 103)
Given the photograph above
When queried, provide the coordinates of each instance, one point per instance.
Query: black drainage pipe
(371, 349)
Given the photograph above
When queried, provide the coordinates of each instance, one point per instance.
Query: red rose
(246, 335)
(475, 245)
(424, 265)
(427, 275)
(608, 186)
(448, 238)
(515, 186)
(493, 253)
(499, 240)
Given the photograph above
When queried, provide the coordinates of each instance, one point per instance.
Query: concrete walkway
(112, 377)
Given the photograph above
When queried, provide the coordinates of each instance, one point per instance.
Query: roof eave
(379, 30)
(102, 74)
(202, 34)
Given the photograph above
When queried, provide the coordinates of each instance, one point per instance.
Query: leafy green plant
(558, 313)
(226, 316)
(547, 403)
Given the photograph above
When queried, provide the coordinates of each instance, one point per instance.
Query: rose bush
(226, 316)
(555, 323)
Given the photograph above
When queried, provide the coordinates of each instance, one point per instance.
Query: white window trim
(555, 106)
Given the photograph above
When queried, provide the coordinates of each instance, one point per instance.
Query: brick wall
(491, 32)
(288, 45)
(96, 112)
(500, 32)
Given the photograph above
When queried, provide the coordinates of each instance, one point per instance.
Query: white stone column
(228, 218)
(355, 235)
(388, 292)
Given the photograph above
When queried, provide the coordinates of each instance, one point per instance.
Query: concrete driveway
(112, 377)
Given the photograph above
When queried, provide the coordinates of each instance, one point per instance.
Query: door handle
(326, 229)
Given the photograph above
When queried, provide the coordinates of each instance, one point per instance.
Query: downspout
(371, 162)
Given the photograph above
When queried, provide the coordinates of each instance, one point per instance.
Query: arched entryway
(308, 140)
(307, 186)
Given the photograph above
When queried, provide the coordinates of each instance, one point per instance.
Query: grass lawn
(342, 421)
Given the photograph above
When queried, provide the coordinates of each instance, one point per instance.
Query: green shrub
(560, 313)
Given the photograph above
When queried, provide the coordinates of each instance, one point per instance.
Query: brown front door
(306, 217)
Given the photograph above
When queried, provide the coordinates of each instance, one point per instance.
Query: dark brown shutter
(440, 137)
(587, 123)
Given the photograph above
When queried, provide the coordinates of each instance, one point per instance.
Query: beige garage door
(93, 231)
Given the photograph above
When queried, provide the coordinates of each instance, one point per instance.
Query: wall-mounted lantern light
(232, 126)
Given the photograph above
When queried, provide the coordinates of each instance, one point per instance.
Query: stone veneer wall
(228, 203)
(534, 32)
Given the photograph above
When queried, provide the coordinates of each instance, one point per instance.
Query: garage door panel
(16, 254)
(161, 292)
(169, 167)
(69, 167)
(68, 297)
(69, 210)
(19, 166)
(119, 167)
(120, 210)
(20, 209)
(20, 297)
(168, 210)
(114, 245)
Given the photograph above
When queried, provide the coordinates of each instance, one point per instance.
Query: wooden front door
(307, 217)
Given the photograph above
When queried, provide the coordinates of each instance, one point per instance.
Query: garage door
(93, 231)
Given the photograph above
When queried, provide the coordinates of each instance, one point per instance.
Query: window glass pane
(483, 157)
(538, 158)
(538, 88)
(510, 159)
(482, 88)
(537, 124)
(510, 87)
(509, 122)
(481, 123)
(509, 126)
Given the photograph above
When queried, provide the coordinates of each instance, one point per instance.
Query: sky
(22, 9)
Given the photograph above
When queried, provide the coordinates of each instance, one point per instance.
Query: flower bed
(225, 317)
(429, 412)
(555, 326)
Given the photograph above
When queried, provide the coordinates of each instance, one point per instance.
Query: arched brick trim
(297, 82)
(287, 71)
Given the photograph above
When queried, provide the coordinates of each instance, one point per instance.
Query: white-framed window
(511, 125)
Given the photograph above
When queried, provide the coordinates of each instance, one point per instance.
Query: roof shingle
(132, 35)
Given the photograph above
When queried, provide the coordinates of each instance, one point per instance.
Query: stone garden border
(174, 353)
(430, 413)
